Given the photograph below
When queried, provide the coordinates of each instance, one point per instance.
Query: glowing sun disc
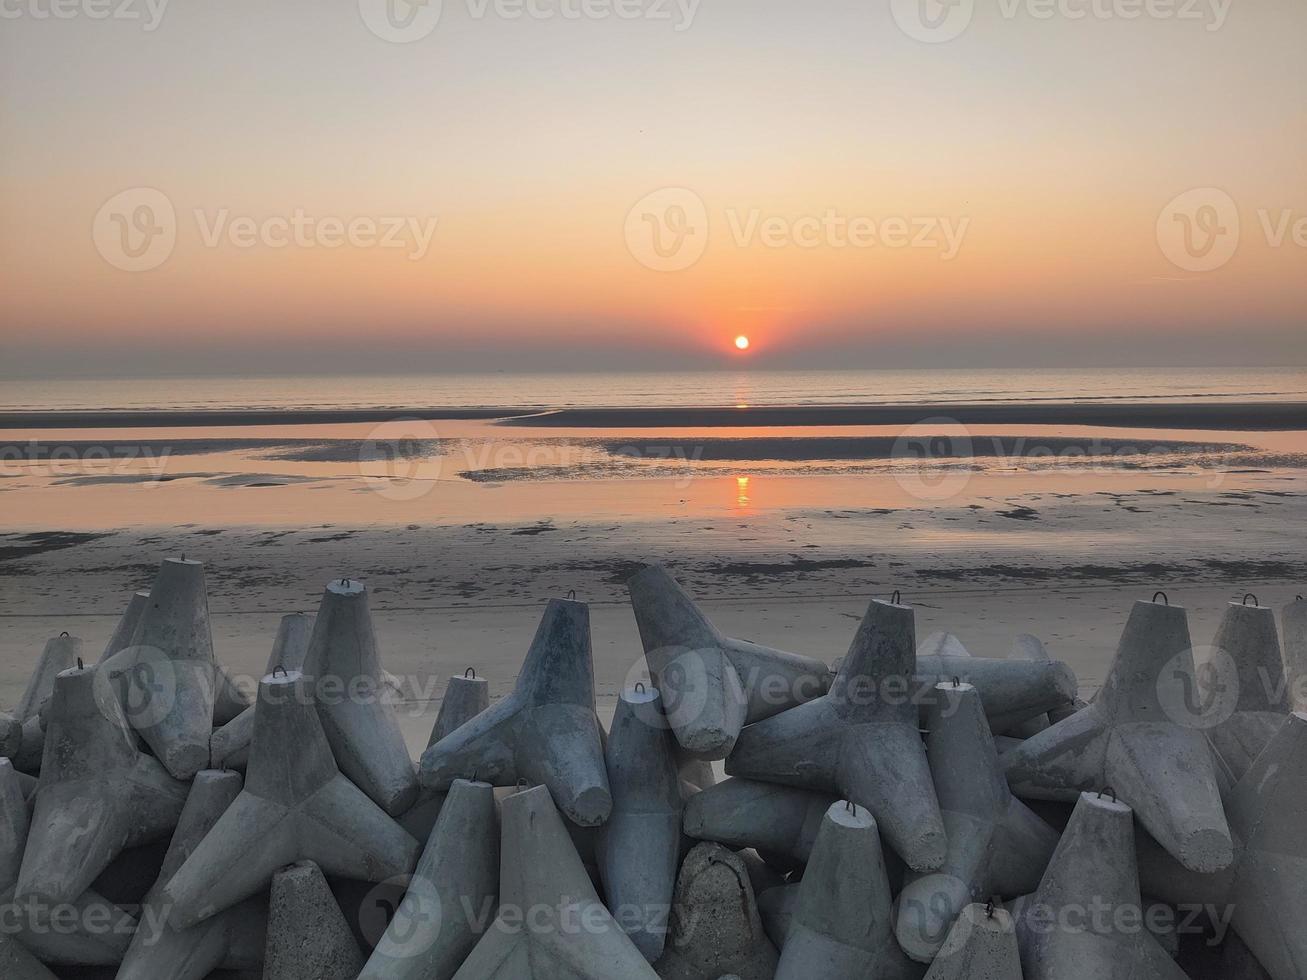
(742, 342)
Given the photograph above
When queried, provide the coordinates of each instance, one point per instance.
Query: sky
(370, 186)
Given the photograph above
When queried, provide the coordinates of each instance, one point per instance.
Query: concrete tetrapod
(98, 793)
(842, 927)
(1294, 618)
(308, 937)
(546, 731)
(98, 931)
(712, 685)
(640, 845)
(1139, 737)
(466, 696)
(1084, 919)
(127, 623)
(60, 653)
(358, 715)
(233, 938)
(1266, 885)
(982, 945)
(745, 813)
(229, 746)
(452, 892)
(166, 676)
(295, 806)
(860, 740)
(996, 845)
(551, 924)
(715, 925)
(1012, 691)
(1242, 678)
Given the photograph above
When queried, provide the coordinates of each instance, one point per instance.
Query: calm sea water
(659, 389)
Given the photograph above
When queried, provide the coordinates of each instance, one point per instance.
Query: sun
(742, 342)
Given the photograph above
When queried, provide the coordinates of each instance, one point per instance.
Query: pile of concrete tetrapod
(911, 812)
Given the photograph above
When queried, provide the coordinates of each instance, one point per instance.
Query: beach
(783, 537)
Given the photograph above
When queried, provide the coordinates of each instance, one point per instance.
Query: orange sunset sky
(1051, 147)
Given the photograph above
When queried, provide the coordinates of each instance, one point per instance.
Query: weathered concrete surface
(308, 938)
(1266, 884)
(61, 652)
(233, 938)
(982, 945)
(1294, 619)
(122, 635)
(568, 934)
(16, 963)
(842, 925)
(465, 698)
(1012, 691)
(1244, 655)
(1139, 736)
(229, 746)
(712, 685)
(166, 675)
(355, 700)
(294, 807)
(715, 926)
(776, 905)
(860, 740)
(638, 848)
(767, 816)
(451, 895)
(229, 701)
(546, 731)
(1083, 921)
(11, 735)
(98, 794)
(996, 845)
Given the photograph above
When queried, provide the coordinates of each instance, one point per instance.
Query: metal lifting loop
(957, 682)
(639, 687)
(283, 670)
(65, 633)
(1108, 790)
(1252, 597)
(571, 594)
(80, 665)
(896, 598)
(1163, 595)
(523, 784)
(344, 582)
(470, 674)
(989, 909)
(851, 807)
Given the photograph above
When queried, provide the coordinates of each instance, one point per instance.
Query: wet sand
(1213, 414)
